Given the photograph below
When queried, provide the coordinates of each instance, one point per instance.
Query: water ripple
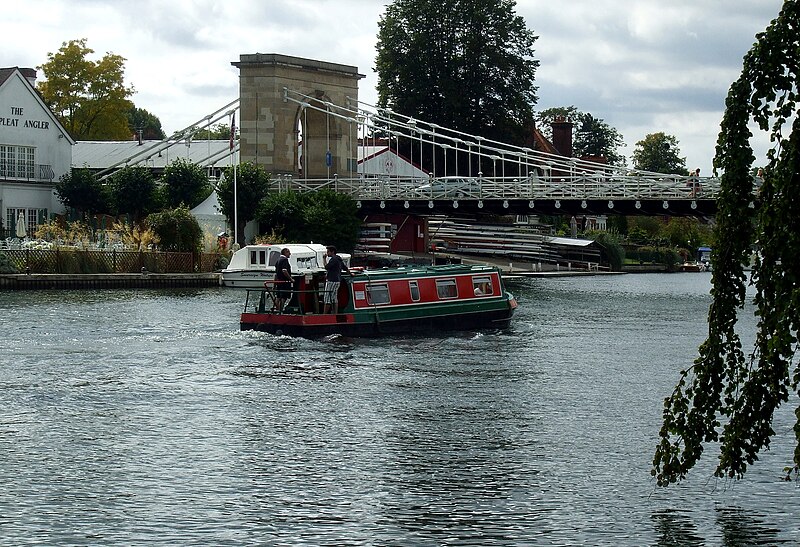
(147, 417)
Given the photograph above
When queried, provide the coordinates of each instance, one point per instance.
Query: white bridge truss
(519, 179)
(536, 175)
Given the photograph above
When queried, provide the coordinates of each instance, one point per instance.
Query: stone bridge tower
(271, 127)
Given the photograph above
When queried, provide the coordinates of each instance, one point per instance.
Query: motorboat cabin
(251, 265)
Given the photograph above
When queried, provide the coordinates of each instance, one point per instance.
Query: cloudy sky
(641, 65)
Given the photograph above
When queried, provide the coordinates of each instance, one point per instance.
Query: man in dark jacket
(283, 279)
(334, 266)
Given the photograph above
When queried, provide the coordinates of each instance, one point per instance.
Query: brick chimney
(562, 136)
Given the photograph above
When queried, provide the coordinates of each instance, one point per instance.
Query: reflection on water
(742, 527)
(146, 417)
(675, 529)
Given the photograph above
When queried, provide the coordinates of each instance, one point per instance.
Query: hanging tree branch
(723, 385)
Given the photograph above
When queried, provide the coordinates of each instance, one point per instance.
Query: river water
(136, 417)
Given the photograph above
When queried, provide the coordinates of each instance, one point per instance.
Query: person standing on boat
(283, 279)
(334, 266)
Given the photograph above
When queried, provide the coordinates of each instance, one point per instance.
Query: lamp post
(412, 124)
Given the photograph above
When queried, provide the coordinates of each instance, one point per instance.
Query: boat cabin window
(258, 257)
(306, 262)
(482, 286)
(273, 257)
(446, 288)
(413, 286)
(378, 294)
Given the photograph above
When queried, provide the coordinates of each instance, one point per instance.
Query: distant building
(35, 150)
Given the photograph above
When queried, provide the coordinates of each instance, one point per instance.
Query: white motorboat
(251, 265)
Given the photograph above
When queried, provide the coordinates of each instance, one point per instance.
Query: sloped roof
(25, 74)
(5, 73)
(542, 144)
(154, 154)
(569, 242)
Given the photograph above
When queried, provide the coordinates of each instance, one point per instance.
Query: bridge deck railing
(532, 187)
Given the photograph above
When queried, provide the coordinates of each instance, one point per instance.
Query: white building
(35, 150)
(382, 161)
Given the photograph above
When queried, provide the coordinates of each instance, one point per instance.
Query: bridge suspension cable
(524, 162)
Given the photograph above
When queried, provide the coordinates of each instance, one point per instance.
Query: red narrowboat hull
(403, 301)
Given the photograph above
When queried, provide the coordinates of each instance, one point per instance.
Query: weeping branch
(723, 385)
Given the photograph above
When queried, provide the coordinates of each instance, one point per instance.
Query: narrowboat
(251, 265)
(411, 299)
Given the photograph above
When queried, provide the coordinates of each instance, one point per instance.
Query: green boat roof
(423, 270)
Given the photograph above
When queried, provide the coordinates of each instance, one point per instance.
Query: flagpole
(235, 201)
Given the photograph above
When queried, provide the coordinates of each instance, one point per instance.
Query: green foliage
(685, 232)
(218, 132)
(649, 225)
(133, 192)
(727, 397)
(6, 266)
(591, 137)
(177, 230)
(140, 119)
(612, 249)
(659, 153)
(89, 98)
(545, 118)
(81, 190)
(595, 138)
(464, 64)
(323, 217)
(639, 235)
(667, 256)
(185, 183)
(618, 224)
(252, 185)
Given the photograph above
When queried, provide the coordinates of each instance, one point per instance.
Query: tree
(463, 64)
(89, 98)
(177, 230)
(591, 137)
(546, 117)
(218, 132)
(80, 189)
(133, 192)
(659, 153)
(686, 233)
(252, 185)
(618, 224)
(595, 138)
(184, 183)
(324, 216)
(612, 249)
(726, 396)
(140, 119)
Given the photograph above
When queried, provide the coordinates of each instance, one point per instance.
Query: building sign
(27, 124)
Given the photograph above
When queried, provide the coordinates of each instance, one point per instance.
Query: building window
(446, 288)
(30, 217)
(482, 285)
(17, 162)
(378, 294)
(413, 286)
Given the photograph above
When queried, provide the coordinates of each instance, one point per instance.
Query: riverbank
(145, 280)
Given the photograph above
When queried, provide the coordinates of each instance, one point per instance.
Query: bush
(177, 230)
(6, 266)
(612, 249)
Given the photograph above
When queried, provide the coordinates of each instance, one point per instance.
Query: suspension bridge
(472, 174)
(462, 174)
